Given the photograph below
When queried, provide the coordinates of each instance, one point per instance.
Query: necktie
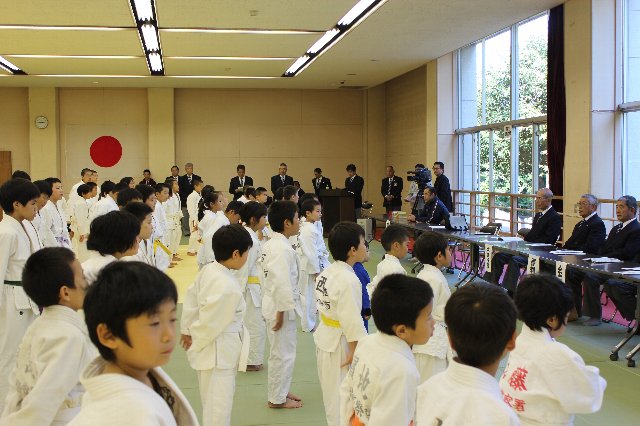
(390, 183)
(189, 177)
(318, 183)
(241, 181)
(282, 177)
(536, 218)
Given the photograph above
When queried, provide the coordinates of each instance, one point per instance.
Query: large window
(502, 89)
(631, 97)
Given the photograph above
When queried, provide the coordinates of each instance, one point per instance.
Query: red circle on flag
(106, 151)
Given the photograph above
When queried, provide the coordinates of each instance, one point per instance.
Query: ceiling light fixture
(144, 14)
(9, 66)
(231, 58)
(238, 31)
(348, 22)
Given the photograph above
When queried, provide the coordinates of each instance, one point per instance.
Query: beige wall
(14, 125)
(86, 114)
(218, 129)
(406, 125)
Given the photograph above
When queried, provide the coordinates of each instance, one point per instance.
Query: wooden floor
(620, 408)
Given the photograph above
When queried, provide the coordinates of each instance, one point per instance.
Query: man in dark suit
(391, 190)
(186, 188)
(442, 186)
(354, 185)
(623, 243)
(433, 212)
(147, 179)
(237, 184)
(175, 174)
(281, 179)
(546, 227)
(320, 182)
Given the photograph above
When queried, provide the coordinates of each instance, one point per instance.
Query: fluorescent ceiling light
(155, 61)
(355, 12)
(76, 56)
(8, 65)
(230, 58)
(150, 37)
(324, 40)
(63, 28)
(143, 10)
(297, 64)
(237, 31)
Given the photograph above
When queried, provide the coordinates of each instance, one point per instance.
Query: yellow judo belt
(157, 244)
(253, 280)
(330, 322)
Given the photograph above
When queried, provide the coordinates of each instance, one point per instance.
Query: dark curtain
(556, 103)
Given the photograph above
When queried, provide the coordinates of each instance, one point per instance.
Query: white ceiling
(400, 36)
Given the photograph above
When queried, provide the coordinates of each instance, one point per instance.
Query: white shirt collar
(590, 216)
(627, 222)
(544, 211)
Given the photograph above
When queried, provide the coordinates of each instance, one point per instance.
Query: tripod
(418, 203)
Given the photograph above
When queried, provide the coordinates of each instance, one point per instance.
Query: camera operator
(442, 186)
(391, 190)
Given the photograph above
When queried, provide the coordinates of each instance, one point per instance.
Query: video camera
(421, 176)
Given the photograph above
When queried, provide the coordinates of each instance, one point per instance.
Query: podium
(337, 205)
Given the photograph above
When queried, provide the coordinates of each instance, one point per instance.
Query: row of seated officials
(589, 236)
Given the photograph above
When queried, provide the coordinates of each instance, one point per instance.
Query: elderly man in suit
(391, 190)
(237, 183)
(622, 243)
(281, 179)
(320, 182)
(186, 188)
(546, 227)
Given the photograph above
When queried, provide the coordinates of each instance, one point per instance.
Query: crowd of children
(432, 361)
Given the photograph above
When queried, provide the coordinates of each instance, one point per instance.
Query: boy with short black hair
(18, 200)
(308, 249)
(281, 302)
(192, 207)
(217, 331)
(127, 195)
(481, 324)
(130, 312)
(80, 220)
(545, 381)
(432, 250)
(56, 232)
(38, 221)
(290, 193)
(339, 302)
(107, 202)
(380, 388)
(44, 385)
(395, 240)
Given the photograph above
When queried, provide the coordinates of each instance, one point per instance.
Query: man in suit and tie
(147, 180)
(237, 184)
(442, 186)
(623, 243)
(354, 185)
(281, 179)
(391, 190)
(175, 174)
(186, 188)
(546, 227)
(320, 182)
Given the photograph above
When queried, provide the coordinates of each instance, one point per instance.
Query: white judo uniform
(431, 358)
(17, 311)
(220, 345)
(92, 266)
(173, 212)
(380, 387)
(387, 266)
(56, 223)
(462, 395)
(159, 251)
(309, 253)
(80, 227)
(205, 252)
(280, 293)
(102, 207)
(192, 207)
(45, 383)
(250, 280)
(545, 382)
(117, 399)
(339, 300)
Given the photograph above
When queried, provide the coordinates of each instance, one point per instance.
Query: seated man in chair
(433, 212)
(546, 227)
(622, 243)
